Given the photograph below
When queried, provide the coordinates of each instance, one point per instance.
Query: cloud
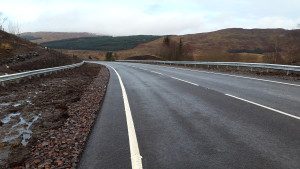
(124, 17)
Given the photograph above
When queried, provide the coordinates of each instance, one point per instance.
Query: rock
(36, 161)
(59, 162)
(47, 166)
(45, 143)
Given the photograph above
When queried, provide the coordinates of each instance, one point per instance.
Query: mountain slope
(248, 45)
(41, 37)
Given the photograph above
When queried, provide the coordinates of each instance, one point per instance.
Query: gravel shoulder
(45, 122)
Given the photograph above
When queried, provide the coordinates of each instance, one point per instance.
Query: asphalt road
(196, 119)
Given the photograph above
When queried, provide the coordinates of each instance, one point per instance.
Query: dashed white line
(169, 76)
(184, 81)
(136, 158)
(143, 69)
(266, 107)
(156, 72)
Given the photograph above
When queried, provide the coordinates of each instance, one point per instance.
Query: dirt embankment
(17, 54)
(45, 121)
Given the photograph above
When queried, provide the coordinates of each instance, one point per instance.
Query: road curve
(196, 119)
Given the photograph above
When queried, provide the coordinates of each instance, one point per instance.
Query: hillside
(101, 43)
(41, 37)
(17, 54)
(244, 45)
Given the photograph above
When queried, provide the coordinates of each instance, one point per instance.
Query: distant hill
(243, 45)
(41, 37)
(17, 54)
(101, 43)
(235, 44)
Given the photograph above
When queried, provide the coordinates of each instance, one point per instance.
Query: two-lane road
(177, 118)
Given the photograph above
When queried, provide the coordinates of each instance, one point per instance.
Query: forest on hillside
(101, 43)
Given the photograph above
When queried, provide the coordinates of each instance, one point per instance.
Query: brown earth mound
(17, 54)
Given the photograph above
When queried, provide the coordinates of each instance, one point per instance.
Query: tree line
(8, 25)
(171, 49)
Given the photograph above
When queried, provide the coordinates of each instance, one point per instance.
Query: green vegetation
(102, 43)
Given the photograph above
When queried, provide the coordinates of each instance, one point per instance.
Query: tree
(276, 50)
(2, 21)
(109, 56)
(180, 49)
(167, 40)
(14, 28)
(171, 49)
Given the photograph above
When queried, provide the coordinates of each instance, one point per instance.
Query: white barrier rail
(286, 68)
(17, 76)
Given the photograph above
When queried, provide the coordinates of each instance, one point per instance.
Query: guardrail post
(287, 72)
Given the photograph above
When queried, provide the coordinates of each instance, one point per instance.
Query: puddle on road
(18, 127)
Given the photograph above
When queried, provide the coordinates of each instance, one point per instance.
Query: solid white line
(136, 158)
(266, 107)
(184, 81)
(251, 78)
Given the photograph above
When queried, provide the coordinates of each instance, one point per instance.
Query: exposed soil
(45, 121)
(17, 54)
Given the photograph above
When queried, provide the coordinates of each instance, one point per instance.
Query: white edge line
(136, 158)
(266, 107)
(252, 78)
(184, 81)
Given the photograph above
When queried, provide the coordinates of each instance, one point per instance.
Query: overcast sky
(128, 17)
